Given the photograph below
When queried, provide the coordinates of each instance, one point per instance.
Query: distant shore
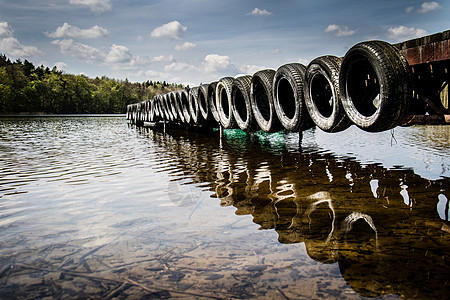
(25, 114)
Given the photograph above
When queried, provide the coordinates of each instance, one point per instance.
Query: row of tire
(369, 87)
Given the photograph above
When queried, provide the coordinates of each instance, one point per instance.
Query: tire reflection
(388, 230)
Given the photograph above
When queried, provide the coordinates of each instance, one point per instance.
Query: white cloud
(185, 46)
(338, 30)
(427, 7)
(173, 30)
(13, 47)
(403, 32)
(5, 29)
(215, 62)
(118, 54)
(81, 51)
(179, 67)
(70, 31)
(259, 12)
(250, 69)
(155, 74)
(409, 9)
(162, 58)
(60, 65)
(303, 61)
(94, 5)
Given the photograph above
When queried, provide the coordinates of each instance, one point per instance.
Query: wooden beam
(426, 120)
(427, 49)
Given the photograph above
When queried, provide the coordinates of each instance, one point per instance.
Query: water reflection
(387, 229)
(92, 208)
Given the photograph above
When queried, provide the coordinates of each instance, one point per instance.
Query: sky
(200, 41)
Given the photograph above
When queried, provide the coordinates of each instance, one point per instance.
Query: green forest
(25, 88)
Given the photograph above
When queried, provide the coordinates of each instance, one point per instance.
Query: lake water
(91, 207)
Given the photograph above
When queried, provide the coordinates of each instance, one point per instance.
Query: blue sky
(199, 41)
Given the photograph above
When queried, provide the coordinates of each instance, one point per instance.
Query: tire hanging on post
(184, 100)
(322, 97)
(203, 104)
(241, 105)
(179, 106)
(262, 101)
(288, 97)
(193, 105)
(168, 107)
(152, 110)
(212, 101)
(172, 100)
(375, 85)
(223, 102)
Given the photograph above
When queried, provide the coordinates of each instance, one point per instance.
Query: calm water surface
(91, 207)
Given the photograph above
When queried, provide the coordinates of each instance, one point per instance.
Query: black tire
(203, 104)
(288, 96)
(223, 102)
(262, 101)
(131, 114)
(193, 105)
(151, 110)
(375, 85)
(161, 106)
(168, 107)
(212, 101)
(139, 119)
(179, 106)
(184, 97)
(173, 106)
(322, 97)
(158, 109)
(147, 111)
(128, 115)
(241, 105)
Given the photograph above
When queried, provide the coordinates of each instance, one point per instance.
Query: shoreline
(20, 115)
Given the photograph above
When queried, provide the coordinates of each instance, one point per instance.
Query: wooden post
(220, 135)
(300, 139)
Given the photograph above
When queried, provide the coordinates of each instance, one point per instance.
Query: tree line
(25, 88)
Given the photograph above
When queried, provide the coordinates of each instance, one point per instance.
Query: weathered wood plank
(427, 120)
(426, 49)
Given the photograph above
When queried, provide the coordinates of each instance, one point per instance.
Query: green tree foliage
(25, 88)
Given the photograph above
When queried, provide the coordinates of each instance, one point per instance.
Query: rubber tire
(321, 86)
(184, 106)
(147, 110)
(169, 107)
(179, 106)
(241, 105)
(193, 105)
(203, 103)
(172, 100)
(151, 112)
(393, 75)
(288, 96)
(212, 101)
(158, 107)
(262, 101)
(223, 102)
(163, 106)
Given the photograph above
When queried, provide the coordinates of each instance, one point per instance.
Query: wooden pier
(376, 86)
(429, 59)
